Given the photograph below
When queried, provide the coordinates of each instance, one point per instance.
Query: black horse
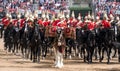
(36, 44)
(16, 39)
(105, 38)
(8, 37)
(24, 39)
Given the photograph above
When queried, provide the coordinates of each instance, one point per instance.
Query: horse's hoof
(34, 61)
(108, 62)
(70, 57)
(84, 60)
(119, 61)
(43, 58)
(56, 66)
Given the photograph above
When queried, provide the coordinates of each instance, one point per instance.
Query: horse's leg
(70, 52)
(88, 54)
(108, 54)
(115, 51)
(56, 58)
(38, 54)
(34, 55)
(99, 51)
(66, 52)
(0, 33)
(119, 54)
(31, 54)
(13, 50)
(61, 60)
(45, 51)
(103, 50)
(95, 52)
(84, 53)
(21, 48)
(17, 47)
(92, 52)
(74, 48)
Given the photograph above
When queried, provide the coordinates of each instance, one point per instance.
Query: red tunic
(40, 22)
(22, 22)
(55, 22)
(80, 24)
(73, 22)
(91, 25)
(6, 22)
(3, 20)
(106, 24)
(46, 23)
(15, 21)
(62, 24)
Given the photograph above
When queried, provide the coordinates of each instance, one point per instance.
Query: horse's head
(26, 28)
(60, 37)
(36, 31)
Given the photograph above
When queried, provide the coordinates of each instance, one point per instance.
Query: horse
(116, 44)
(8, 38)
(105, 39)
(70, 41)
(36, 44)
(24, 39)
(79, 35)
(44, 41)
(59, 47)
(1, 29)
(16, 39)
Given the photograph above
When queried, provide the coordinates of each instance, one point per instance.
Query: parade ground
(11, 62)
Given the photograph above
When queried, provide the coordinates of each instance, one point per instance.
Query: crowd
(110, 6)
(53, 6)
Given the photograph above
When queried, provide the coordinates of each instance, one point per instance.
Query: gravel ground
(10, 62)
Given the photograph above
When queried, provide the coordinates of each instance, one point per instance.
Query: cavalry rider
(79, 23)
(72, 21)
(6, 20)
(98, 21)
(46, 21)
(62, 23)
(22, 21)
(15, 21)
(91, 24)
(105, 23)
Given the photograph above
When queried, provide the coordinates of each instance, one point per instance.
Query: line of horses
(33, 44)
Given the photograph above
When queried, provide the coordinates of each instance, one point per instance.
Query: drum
(70, 32)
